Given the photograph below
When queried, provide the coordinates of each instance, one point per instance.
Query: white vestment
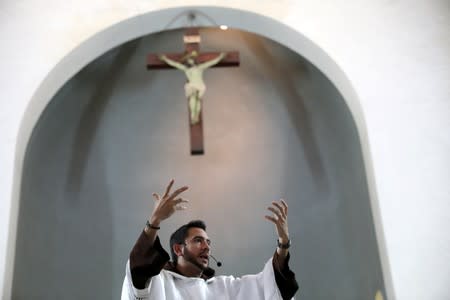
(172, 286)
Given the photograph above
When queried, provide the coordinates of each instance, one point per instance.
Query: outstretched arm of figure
(279, 218)
(212, 62)
(172, 63)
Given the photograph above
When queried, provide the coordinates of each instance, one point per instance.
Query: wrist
(283, 240)
(149, 226)
(154, 221)
(283, 244)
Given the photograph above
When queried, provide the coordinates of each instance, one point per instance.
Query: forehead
(194, 231)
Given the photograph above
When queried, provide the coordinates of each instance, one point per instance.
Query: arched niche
(133, 28)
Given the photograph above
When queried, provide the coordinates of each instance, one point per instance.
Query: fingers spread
(180, 200)
(284, 205)
(168, 188)
(281, 209)
(276, 212)
(180, 207)
(272, 219)
(179, 191)
(179, 203)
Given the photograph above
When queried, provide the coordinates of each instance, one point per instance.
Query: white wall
(393, 54)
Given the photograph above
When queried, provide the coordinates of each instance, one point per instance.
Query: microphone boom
(219, 263)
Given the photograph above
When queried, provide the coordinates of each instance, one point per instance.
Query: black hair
(181, 234)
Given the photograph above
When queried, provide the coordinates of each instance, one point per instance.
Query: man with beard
(150, 274)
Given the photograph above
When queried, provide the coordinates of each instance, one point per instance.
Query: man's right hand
(166, 205)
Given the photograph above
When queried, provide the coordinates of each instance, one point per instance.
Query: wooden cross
(192, 43)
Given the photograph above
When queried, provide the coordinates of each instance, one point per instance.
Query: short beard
(188, 256)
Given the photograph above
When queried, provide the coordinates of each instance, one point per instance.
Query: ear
(178, 249)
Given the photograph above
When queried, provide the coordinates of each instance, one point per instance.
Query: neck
(189, 269)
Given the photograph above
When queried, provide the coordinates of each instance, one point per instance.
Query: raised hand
(280, 219)
(166, 205)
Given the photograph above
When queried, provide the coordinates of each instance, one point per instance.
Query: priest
(151, 275)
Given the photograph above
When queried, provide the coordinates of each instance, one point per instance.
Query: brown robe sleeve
(284, 277)
(146, 261)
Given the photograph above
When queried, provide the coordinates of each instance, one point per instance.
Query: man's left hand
(279, 218)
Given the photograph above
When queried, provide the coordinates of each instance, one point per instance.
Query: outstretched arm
(165, 206)
(147, 258)
(172, 63)
(212, 62)
(279, 218)
(284, 277)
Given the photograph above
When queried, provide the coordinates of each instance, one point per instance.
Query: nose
(206, 245)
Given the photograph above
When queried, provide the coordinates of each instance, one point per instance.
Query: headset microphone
(219, 263)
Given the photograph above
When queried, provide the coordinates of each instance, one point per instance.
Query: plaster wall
(388, 59)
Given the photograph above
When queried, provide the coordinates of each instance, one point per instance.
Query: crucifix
(193, 63)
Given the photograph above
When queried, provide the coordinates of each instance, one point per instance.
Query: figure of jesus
(195, 86)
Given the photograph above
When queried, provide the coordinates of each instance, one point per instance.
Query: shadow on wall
(65, 219)
(276, 67)
(91, 116)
